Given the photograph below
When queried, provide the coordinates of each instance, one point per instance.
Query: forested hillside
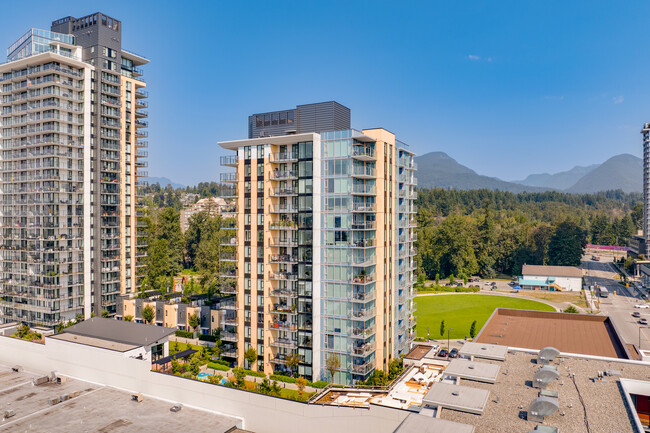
(488, 232)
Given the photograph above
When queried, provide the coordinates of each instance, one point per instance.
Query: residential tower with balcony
(325, 256)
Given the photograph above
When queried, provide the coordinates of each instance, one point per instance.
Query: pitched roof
(552, 271)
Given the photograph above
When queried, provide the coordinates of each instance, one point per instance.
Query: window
(259, 121)
(260, 170)
(260, 219)
(274, 119)
(283, 118)
(260, 151)
(290, 117)
(267, 120)
(260, 186)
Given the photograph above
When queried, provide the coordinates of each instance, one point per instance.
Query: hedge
(222, 362)
(448, 289)
(206, 337)
(255, 373)
(184, 334)
(287, 379)
(220, 367)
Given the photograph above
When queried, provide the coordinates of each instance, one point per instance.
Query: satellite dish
(542, 407)
(547, 355)
(544, 376)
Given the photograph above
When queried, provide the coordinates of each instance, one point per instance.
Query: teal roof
(523, 282)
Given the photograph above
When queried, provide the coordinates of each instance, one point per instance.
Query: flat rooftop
(114, 334)
(457, 397)
(418, 352)
(426, 424)
(512, 394)
(569, 333)
(96, 408)
(471, 370)
(484, 351)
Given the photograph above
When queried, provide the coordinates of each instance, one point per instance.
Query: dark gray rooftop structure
(118, 331)
(319, 117)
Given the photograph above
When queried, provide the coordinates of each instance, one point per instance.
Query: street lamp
(448, 345)
(428, 334)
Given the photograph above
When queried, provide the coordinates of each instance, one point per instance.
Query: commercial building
(553, 278)
(488, 388)
(70, 136)
(213, 206)
(325, 257)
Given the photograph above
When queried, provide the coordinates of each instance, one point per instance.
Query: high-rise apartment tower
(71, 137)
(325, 257)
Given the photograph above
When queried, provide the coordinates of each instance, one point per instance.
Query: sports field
(459, 311)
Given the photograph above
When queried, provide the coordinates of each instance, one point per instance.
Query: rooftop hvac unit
(547, 355)
(9, 413)
(17, 368)
(40, 380)
(54, 400)
(542, 407)
(544, 376)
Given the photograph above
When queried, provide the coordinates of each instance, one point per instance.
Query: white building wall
(567, 283)
(260, 413)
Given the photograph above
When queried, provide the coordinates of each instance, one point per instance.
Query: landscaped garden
(459, 311)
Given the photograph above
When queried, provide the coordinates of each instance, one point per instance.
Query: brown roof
(552, 271)
(418, 352)
(569, 333)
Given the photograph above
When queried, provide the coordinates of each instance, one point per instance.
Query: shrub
(318, 384)
(211, 338)
(184, 334)
(219, 367)
(255, 373)
(282, 378)
(222, 362)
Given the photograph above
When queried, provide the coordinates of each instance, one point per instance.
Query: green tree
(570, 309)
(128, 318)
(332, 364)
(251, 356)
(106, 313)
(193, 321)
(472, 330)
(239, 374)
(442, 328)
(292, 362)
(567, 244)
(148, 314)
(437, 279)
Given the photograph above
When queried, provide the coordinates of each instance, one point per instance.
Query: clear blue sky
(507, 88)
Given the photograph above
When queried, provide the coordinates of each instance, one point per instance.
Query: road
(619, 306)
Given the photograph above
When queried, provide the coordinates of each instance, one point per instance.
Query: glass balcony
(284, 175)
(284, 157)
(229, 161)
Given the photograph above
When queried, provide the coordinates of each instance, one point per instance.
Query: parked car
(453, 353)
(643, 321)
(459, 284)
(641, 306)
(636, 314)
(443, 353)
(512, 283)
(493, 283)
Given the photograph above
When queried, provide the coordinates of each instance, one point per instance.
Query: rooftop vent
(547, 355)
(542, 407)
(544, 376)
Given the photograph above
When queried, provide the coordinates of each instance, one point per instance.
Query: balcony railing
(287, 174)
(284, 157)
(283, 225)
(229, 160)
(283, 192)
(228, 177)
(288, 276)
(363, 207)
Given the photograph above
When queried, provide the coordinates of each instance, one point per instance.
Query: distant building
(189, 198)
(175, 314)
(646, 186)
(213, 206)
(552, 278)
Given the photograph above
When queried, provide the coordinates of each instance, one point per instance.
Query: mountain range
(625, 172)
(163, 181)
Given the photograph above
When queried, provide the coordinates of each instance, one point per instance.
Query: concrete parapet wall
(259, 412)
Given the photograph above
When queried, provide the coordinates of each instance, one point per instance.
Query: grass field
(459, 311)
